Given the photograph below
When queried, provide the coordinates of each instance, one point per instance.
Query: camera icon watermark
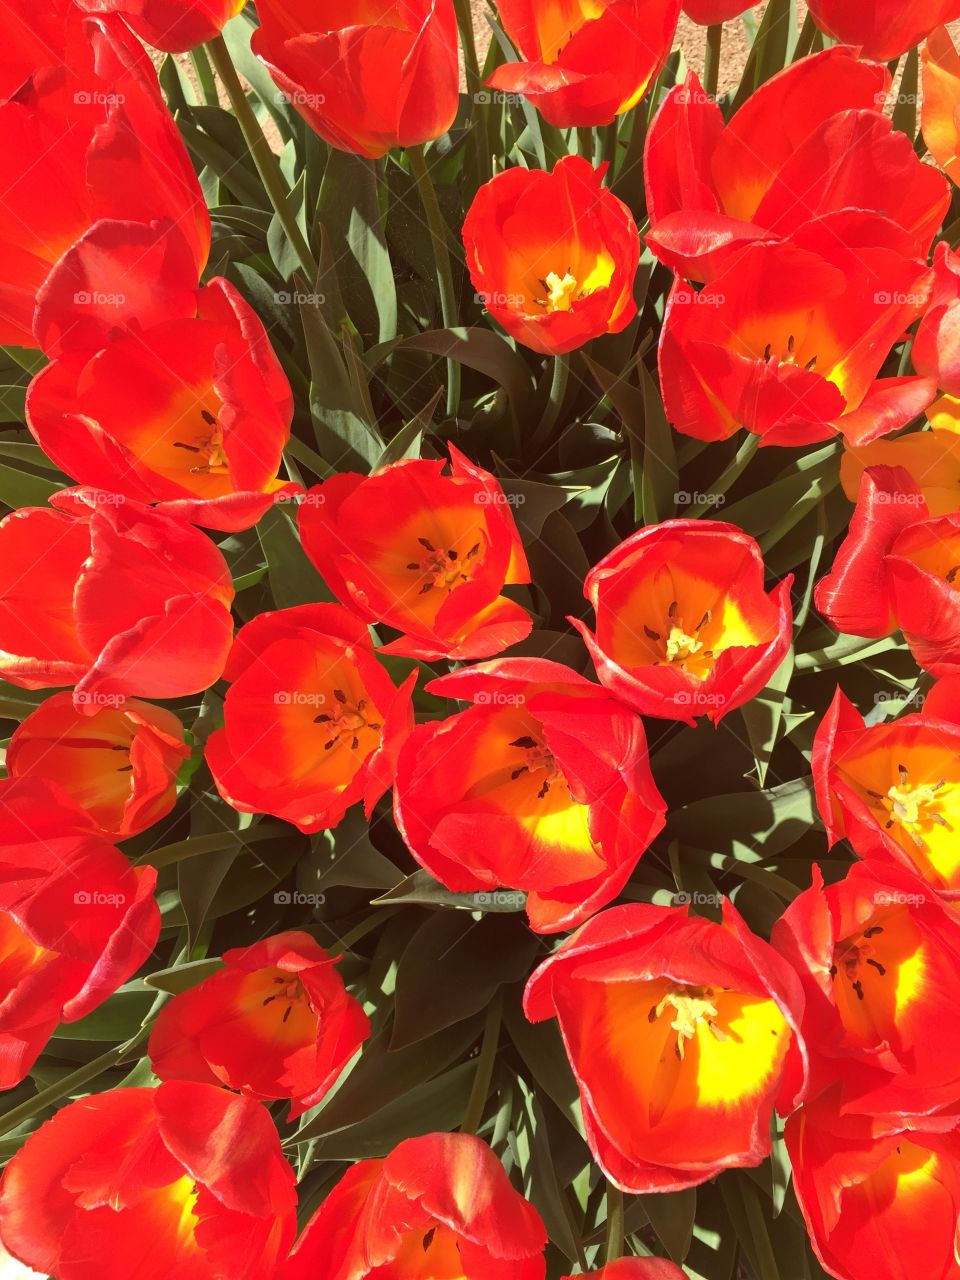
(298, 698)
(696, 899)
(499, 698)
(98, 98)
(296, 898)
(94, 298)
(507, 899)
(97, 699)
(284, 298)
(97, 898)
(684, 498)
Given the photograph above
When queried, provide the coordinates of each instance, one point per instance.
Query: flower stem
(615, 1223)
(486, 1061)
(266, 162)
(441, 257)
(711, 61)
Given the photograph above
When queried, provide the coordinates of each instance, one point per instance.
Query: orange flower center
(788, 354)
(346, 723)
(538, 759)
(290, 993)
(207, 448)
(432, 1255)
(445, 568)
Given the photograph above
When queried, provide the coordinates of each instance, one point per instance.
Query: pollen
(912, 805)
(561, 291)
(692, 1008)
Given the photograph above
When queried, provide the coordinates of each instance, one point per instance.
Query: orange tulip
(879, 1197)
(637, 1269)
(882, 29)
(892, 790)
(553, 256)
(584, 62)
(930, 458)
(171, 25)
(683, 1035)
(941, 97)
(119, 764)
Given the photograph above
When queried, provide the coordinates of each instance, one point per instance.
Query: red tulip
(897, 568)
(185, 1180)
(76, 920)
(879, 958)
(120, 764)
(682, 1034)
(882, 29)
(585, 64)
(171, 25)
(86, 137)
(553, 256)
(714, 188)
(709, 12)
(313, 722)
(935, 352)
(684, 626)
(543, 786)
(35, 36)
(769, 345)
(437, 1206)
(104, 593)
(435, 569)
(892, 789)
(277, 1022)
(880, 1198)
(637, 1269)
(159, 390)
(931, 458)
(383, 76)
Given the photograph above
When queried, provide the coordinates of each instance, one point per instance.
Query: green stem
(615, 1223)
(205, 78)
(266, 162)
(711, 62)
(486, 1060)
(441, 257)
(558, 393)
(76, 1080)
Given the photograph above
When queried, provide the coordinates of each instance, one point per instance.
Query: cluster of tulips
(800, 234)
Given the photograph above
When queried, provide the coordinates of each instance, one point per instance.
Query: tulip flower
(683, 1035)
(542, 786)
(159, 390)
(935, 349)
(879, 1197)
(713, 188)
(882, 29)
(36, 36)
(312, 721)
(637, 1269)
(892, 790)
(76, 920)
(440, 1205)
(276, 1022)
(435, 569)
(87, 138)
(789, 339)
(684, 627)
(941, 95)
(930, 458)
(103, 593)
(897, 568)
(879, 958)
(182, 1180)
(582, 63)
(120, 764)
(171, 25)
(553, 256)
(709, 12)
(384, 76)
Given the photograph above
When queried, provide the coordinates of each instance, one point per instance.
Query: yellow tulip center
(346, 722)
(691, 1008)
(443, 568)
(681, 645)
(911, 806)
(561, 291)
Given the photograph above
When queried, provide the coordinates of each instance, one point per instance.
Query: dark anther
(526, 742)
(873, 931)
(451, 555)
(322, 718)
(653, 635)
(878, 966)
(543, 790)
(473, 550)
(208, 417)
(190, 448)
(704, 620)
(413, 565)
(858, 988)
(953, 573)
(340, 696)
(517, 772)
(672, 611)
(811, 364)
(425, 542)
(791, 343)
(287, 1012)
(427, 586)
(768, 352)
(652, 1015)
